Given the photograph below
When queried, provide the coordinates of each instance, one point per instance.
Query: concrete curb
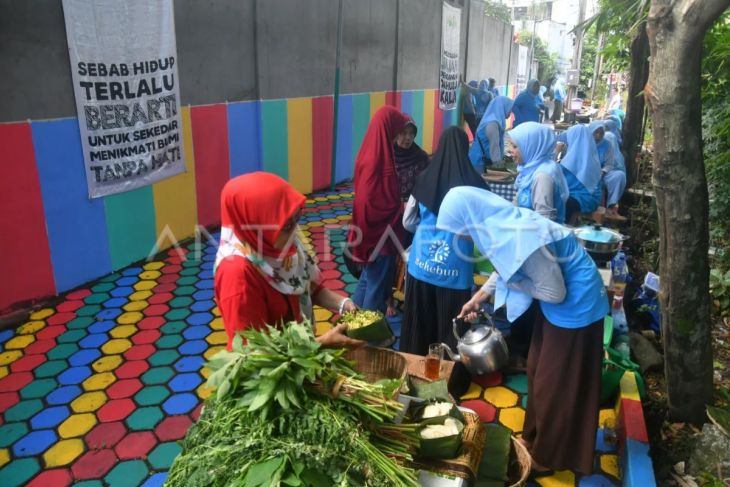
(635, 463)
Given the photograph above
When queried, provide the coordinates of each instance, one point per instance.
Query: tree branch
(701, 13)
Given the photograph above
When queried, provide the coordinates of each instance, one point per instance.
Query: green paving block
(111, 277)
(150, 396)
(11, 432)
(348, 278)
(80, 323)
(184, 291)
(23, 410)
(180, 302)
(169, 341)
(144, 418)
(71, 336)
(163, 357)
(18, 472)
(159, 375)
(103, 287)
(88, 310)
(173, 327)
(187, 280)
(495, 458)
(65, 350)
(517, 382)
(96, 298)
(350, 288)
(127, 474)
(38, 388)
(191, 262)
(190, 271)
(177, 314)
(51, 368)
(162, 456)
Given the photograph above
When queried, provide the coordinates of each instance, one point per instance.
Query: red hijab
(377, 202)
(259, 199)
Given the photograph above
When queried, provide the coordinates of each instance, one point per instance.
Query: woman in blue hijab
(612, 167)
(582, 171)
(540, 184)
(488, 146)
(526, 104)
(613, 125)
(536, 258)
(482, 99)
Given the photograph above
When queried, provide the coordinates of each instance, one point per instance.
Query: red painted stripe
(210, 144)
(392, 99)
(633, 420)
(438, 120)
(25, 256)
(322, 111)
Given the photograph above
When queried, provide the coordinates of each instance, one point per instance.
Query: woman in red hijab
(376, 231)
(263, 274)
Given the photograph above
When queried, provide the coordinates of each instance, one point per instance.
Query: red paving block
(173, 428)
(15, 382)
(139, 352)
(50, 332)
(327, 266)
(165, 279)
(171, 269)
(156, 310)
(55, 478)
(7, 400)
(333, 284)
(105, 435)
(69, 306)
(80, 294)
(94, 464)
(196, 412)
(333, 274)
(115, 410)
(164, 288)
(29, 362)
(40, 346)
(151, 323)
(131, 369)
(486, 411)
(148, 336)
(488, 380)
(60, 318)
(160, 298)
(135, 445)
(633, 420)
(124, 388)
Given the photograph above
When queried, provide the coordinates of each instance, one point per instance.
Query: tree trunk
(676, 29)
(633, 129)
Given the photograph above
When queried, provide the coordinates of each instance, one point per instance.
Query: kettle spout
(452, 355)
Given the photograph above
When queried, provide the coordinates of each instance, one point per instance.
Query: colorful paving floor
(97, 389)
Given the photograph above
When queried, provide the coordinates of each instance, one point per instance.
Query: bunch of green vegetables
(287, 412)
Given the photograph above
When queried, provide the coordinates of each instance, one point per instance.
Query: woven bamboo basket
(520, 464)
(378, 363)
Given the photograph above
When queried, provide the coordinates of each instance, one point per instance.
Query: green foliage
(587, 59)
(720, 289)
(497, 10)
(547, 61)
(618, 20)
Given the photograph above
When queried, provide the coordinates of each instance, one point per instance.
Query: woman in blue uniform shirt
(582, 171)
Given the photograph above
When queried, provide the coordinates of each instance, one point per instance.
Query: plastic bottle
(620, 273)
(619, 316)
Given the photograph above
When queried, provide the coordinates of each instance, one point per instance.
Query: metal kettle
(481, 349)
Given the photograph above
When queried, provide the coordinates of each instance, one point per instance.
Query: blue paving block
(109, 313)
(601, 444)
(127, 281)
(208, 257)
(196, 332)
(63, 395)
(132, 271)
(50, 417)
(193, 347)
(595, 481)
(103, 326)
(94, 340)
(115, 302)
(157, 480)
(122, 292)
(206, 273)
(84, 357)
(207, 266)
(34, 443)
(189, 364)
(199, 318)
(185, 382)
(180, 403)
(74, 375)
(204, 294)
(201, 306)
(636, 465)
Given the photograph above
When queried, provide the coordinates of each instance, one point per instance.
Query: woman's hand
(336, 338)
(347, 305)
(469, 310)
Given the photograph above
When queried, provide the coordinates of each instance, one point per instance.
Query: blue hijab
(581, 159)
(483, 97)
(503, 233)
(537, 145)
(613, 125)
(620, 114)
(497, 112)
(618, 158)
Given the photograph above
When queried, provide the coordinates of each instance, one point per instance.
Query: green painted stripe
(418, 115)
(130, 226)
(274, 135)
(360, 121)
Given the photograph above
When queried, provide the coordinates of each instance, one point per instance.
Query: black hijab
(408, 164)
(450, 167)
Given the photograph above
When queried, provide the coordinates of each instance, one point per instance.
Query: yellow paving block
(117, 345)
(315, 224)
(153, 266)
(19, 342)
(309, 200)
(88, 402)
(217, 323)
(3, 371)
(150, 275)
(322, 314)
(203, 391)
(7, 358)
(42, 314)
(98, 382)
(77, 425)
(30, 327)
(216, 312)
(4, 456)
(474, 392)
(217, 338)
(123, 331)
(145, 285)
(629, 389)
(564, 478)
(344, 217)
(346, 195)
(205, 372)
(129, 318)
(138, 305)
(512, 418)
(322, 328)
(212, 351)
(501, 397)
(320, 198)
(139, 296)
(108, 363)
(609, 464)
(330, 220)
(607, 419)
(63, 453)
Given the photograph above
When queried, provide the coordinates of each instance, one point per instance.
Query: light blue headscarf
(603, 146)
(618, 113)
(613, 125)
(618, 158)
(581, 159)
(497, 111)
(537, 145)
(505, 234)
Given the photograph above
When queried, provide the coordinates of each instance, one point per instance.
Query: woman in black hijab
(409, 158)
(440, 272)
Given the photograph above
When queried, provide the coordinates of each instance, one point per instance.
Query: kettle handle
(480, 313)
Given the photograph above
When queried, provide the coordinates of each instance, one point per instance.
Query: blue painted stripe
(406, 102)
(244, 137)
(76, 225)
(637, 469)
(344, 161)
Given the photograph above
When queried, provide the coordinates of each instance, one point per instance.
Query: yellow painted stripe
(176, 211)
(629, 388)
(429, 144)
(377, 100)
(299, 125)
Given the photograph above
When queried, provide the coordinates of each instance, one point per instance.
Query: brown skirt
(564, 389)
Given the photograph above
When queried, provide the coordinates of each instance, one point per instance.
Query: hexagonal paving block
(117, 345)
(129, 473)
(139, 352)
(51, 368)
(180, 403)
(62, 351)
(169, 341)
(193, 347)
(23, 410)
(127, 280)
(84, 357)
(12, 432)
(50, 417)
(30, 327)
(173, 427)
(41, 314)
(184, 291)
(94, 341)
(94, 464)
(196, 332)
(39, 388)
(145, 337)
(63, 394)
(109, 314)
(173, 327)
(103, 287)
(500, 397)
(77, 425)
(163, 455)
(99, 382)
(96, 298)
(63, 453)
(189, 364)
(212, 351)
(144, 418)
(19, 342)
(160, 298)
(177, 314)
(185, 382)
(181, 302)
(151, 395)
(20, 470)
(135, 445)
(157, 375)
(102, 326)
(151, 323)
(512, 418)
(124, 388)
(115, 410)
(123, 331)
(135, 306)
(70, 305)
(217, 323)
(74, 375)
(34, 443)
(88, 310)
(107, 363)
(204, 295)
(156, 310)
(140, 295)
(516, 382)
(202, 306)
(29, 362)
(62, 318)
(89, 401)
(163, 357)
(106, 435)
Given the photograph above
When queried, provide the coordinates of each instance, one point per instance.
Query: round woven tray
(378, 363)
(520, 464)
